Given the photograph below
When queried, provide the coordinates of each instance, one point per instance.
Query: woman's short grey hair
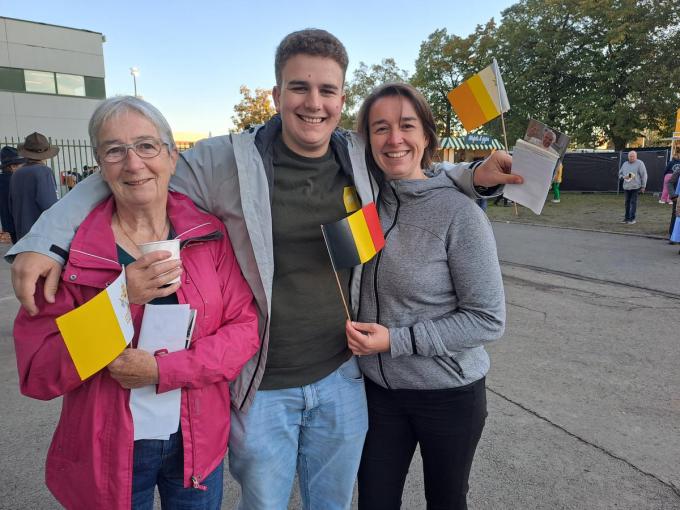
(114, 106)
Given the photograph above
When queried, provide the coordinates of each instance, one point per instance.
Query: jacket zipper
(375, 286)
(195, 479)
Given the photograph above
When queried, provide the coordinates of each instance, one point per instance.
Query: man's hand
(26, 269)
(642, 190)
(495, 170)
(147, 276)
(134, 368)
(367, 338)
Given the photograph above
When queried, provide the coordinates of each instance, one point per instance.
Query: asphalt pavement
(583, 393)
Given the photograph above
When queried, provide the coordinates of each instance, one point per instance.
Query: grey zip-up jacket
(231, 177)
(436, 286)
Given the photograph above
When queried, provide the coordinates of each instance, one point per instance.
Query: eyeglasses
(146, 148)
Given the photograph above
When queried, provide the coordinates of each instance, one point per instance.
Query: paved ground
(584, 391)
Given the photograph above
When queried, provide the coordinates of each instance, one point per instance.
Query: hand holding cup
(156, 273)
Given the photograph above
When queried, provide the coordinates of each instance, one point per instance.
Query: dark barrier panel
(598, 171)
(590, 171)
(655, 163)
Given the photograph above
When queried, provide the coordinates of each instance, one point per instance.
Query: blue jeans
(158, 462)
(631, 203)
(318, 430)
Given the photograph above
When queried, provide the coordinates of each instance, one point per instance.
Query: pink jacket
(89, 463)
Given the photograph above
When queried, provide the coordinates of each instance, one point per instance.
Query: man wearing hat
(33, 188)
(9, 162)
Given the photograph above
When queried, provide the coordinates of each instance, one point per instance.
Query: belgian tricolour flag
(355, 239)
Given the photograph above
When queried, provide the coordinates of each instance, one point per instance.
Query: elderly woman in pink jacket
(94, 460)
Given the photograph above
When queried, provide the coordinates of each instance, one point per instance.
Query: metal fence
(68, 165)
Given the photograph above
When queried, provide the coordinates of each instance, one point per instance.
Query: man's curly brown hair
(310, 41)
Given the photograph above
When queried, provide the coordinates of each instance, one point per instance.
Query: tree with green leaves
(596, 69)
(445, 61)
(364, 79)
(253, 109)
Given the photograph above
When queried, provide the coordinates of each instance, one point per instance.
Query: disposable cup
(171, 245)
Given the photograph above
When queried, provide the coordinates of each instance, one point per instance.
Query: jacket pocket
(350, 371)
(453, 364)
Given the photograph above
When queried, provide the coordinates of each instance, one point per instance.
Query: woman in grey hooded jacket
(429, 302)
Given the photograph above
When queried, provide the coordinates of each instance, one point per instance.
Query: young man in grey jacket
(634, 175)
(299, 404)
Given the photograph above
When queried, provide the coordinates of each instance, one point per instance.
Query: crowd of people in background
(35, 189)
(670, 195)
(69, 178)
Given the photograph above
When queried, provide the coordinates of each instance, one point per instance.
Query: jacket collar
(347, 147)
(94, 246)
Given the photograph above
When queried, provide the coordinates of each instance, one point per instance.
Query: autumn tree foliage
(253, 109)
(364, 79)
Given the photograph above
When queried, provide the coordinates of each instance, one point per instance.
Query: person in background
(673, 190)
(634, 175)
(10, 161)
(672, 166)
(33, 188)
(557, 180)
(94, 460)
(429, 302)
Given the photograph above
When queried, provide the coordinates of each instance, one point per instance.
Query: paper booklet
(164, 327)
(536, 159)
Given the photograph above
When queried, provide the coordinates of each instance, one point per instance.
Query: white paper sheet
(156, 415)
(536, 166)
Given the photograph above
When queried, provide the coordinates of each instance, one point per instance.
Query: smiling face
(397, 138)
(135, 182)
(310, 100)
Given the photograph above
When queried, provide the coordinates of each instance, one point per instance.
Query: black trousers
(447, 424)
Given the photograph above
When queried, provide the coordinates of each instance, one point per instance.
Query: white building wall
(36, 46)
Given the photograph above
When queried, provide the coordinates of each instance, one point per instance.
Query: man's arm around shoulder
(44, 249)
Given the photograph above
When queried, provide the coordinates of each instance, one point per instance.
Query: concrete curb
(648, 236)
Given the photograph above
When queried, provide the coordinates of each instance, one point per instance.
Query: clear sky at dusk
(194, 56)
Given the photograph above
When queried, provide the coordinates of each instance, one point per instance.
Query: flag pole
(337, 279)
(500, 101)
(500, 105)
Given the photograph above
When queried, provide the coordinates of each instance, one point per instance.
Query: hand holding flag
(96, 332)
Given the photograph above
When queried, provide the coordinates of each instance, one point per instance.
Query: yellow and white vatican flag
(480, 98)
(96, 332)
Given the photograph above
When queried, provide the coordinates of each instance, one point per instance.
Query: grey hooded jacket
(436, 286)
(231, 177)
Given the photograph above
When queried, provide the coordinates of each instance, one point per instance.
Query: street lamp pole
(134, 71)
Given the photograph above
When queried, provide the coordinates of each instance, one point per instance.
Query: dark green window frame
(12, 80)
(95, 87)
